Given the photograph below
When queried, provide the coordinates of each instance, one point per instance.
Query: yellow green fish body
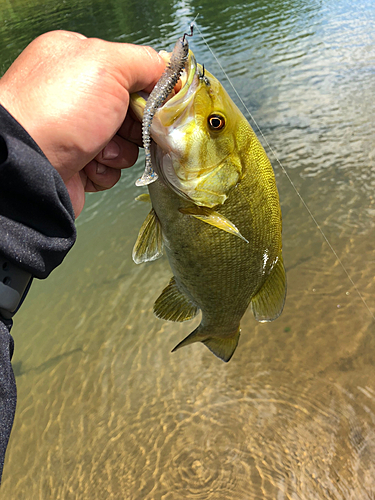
(216, 213)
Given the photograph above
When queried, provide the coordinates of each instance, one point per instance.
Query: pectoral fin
(173, 305)
(268, 303)
(222, 346)
(213, 218)
(144, 197)
(149, 244)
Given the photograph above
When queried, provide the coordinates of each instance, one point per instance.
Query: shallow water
(105, 410)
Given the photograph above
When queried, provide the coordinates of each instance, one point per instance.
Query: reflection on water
(105, 411)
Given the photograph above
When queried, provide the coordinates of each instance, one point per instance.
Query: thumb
(139, 66)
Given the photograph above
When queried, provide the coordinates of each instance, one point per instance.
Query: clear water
(105, 411)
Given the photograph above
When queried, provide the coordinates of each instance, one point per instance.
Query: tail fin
(222, 346)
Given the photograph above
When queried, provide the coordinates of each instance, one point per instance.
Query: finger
(71, 34)
(100, 177)
(166, 56)
(118, 153)
(131, 63)
(60, 35)
(131, 129)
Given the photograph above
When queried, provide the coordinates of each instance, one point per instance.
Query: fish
(215, 213)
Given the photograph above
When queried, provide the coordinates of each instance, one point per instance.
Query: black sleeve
(8, 392)
(36, 232)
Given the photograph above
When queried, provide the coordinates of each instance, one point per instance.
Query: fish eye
(216, 122)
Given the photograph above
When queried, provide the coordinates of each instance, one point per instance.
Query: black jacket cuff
(36, 215)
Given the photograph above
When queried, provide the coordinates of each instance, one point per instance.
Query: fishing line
(286, 174)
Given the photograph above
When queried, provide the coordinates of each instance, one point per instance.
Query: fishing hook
(203, 77)
(188, 34)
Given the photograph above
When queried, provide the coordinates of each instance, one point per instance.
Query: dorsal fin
(268, 303)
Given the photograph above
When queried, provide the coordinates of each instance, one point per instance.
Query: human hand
(71, 94)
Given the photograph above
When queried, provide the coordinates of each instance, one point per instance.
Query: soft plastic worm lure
(157, 97)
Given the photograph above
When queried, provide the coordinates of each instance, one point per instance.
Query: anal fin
(268, 303)
(173, 305)
(149, 244)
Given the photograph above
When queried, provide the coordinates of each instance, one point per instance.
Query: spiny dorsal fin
(149, 244)
(213, 218)
(173, 305)
(222, 346)
(268, 303)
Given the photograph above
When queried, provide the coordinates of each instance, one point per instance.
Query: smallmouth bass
(215, 212)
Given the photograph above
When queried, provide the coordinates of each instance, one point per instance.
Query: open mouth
(178, 94)
(181, 82)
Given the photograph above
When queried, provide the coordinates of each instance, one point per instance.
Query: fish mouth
(177, 101)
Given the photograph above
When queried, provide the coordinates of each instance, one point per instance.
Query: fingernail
(100, 168)
(111, 151)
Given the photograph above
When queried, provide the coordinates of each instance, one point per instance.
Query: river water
(105, 411)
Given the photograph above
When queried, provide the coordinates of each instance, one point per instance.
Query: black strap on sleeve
(14, 285)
